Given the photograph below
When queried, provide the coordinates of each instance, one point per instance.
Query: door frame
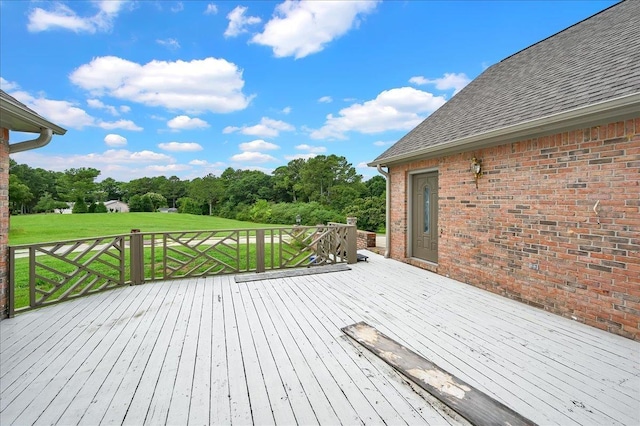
(410, 202)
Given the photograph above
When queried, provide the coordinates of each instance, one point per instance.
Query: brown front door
(424, 227)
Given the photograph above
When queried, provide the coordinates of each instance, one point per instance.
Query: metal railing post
(260, 250)
(136, 252)
(352, 244)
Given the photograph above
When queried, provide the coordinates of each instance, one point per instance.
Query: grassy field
(40, 228)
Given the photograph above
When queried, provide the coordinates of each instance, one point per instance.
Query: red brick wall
(4, 219)
(366, 239)
(529, 231)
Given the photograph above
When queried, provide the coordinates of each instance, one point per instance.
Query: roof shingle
(595, 60)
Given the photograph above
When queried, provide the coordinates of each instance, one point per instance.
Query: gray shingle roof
(595, 60)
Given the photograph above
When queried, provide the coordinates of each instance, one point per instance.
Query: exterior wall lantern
(476, 169)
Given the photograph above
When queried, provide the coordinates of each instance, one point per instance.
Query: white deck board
(212, 351)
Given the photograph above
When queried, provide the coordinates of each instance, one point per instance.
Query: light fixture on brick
(476, 169)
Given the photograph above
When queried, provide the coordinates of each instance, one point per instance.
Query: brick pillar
(4, 220)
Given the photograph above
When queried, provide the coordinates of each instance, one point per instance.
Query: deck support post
(352, 244)
(136, 251)
(260, 250)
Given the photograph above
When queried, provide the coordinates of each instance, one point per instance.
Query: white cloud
(395, 109)
(115, 140)
(63, 113)
(97, 103)
(253, 157)
(382, 143)
(300, 156)
(418, 80)
(230, 129)
(109, 157)
(211, 9)
(447, 82)
(125, 108)
(66, 114)
(168, 168)
(120, 124)
(362, 165)
(198, 162)
(313, 149)
(170, 43)
(180, 146)
(258, 145)
(266, 128)
(63, 17)
(300, 28)
(325, 100)
(179, 7)
(7, 86)
(286, 110)
(185, 122)
(238, 22)
(121, 164)
(208, 84)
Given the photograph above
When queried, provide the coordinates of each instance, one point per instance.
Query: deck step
(294, 272)
(475, 406)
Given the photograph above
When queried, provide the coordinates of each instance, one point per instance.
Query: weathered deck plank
(213, 351)
(390, 385)
(36, 395)
(200, 398)
(276, 391)
(114, 377)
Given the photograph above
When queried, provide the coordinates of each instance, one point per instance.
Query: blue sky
(187, 88)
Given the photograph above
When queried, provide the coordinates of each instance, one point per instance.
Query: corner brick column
(4, 221)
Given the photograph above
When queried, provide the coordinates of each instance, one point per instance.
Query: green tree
(189, 206)
(19, 194)
(173, 188)
(321, 174)
(80, 183)
(113, 190)
(147, 203)
(135, 203)
(376, 186)
(287, 180)
(209, 190)
(157, 200)
(244, 187)
(370, 212)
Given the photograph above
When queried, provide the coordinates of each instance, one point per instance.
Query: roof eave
(17, 112)
(623, 106)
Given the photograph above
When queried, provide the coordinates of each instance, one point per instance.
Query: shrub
(100, 208)
(370, 212)
(79, 206)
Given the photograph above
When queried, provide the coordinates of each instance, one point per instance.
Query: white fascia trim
(24, 115)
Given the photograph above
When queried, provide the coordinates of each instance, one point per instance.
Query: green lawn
(39, 228)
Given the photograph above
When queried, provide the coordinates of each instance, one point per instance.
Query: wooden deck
(212, 350)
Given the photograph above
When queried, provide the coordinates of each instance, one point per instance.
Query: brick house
(552, 218)
(15, 116)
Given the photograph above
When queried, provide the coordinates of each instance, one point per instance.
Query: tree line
(316, 190)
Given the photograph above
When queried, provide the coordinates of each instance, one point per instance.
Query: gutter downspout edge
(387, 249)
(45, 137)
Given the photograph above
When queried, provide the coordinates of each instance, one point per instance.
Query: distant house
(116, 206)
(168, 210)
(552, 216)
(15, 116)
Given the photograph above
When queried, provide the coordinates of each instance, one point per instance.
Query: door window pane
(426, 210)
